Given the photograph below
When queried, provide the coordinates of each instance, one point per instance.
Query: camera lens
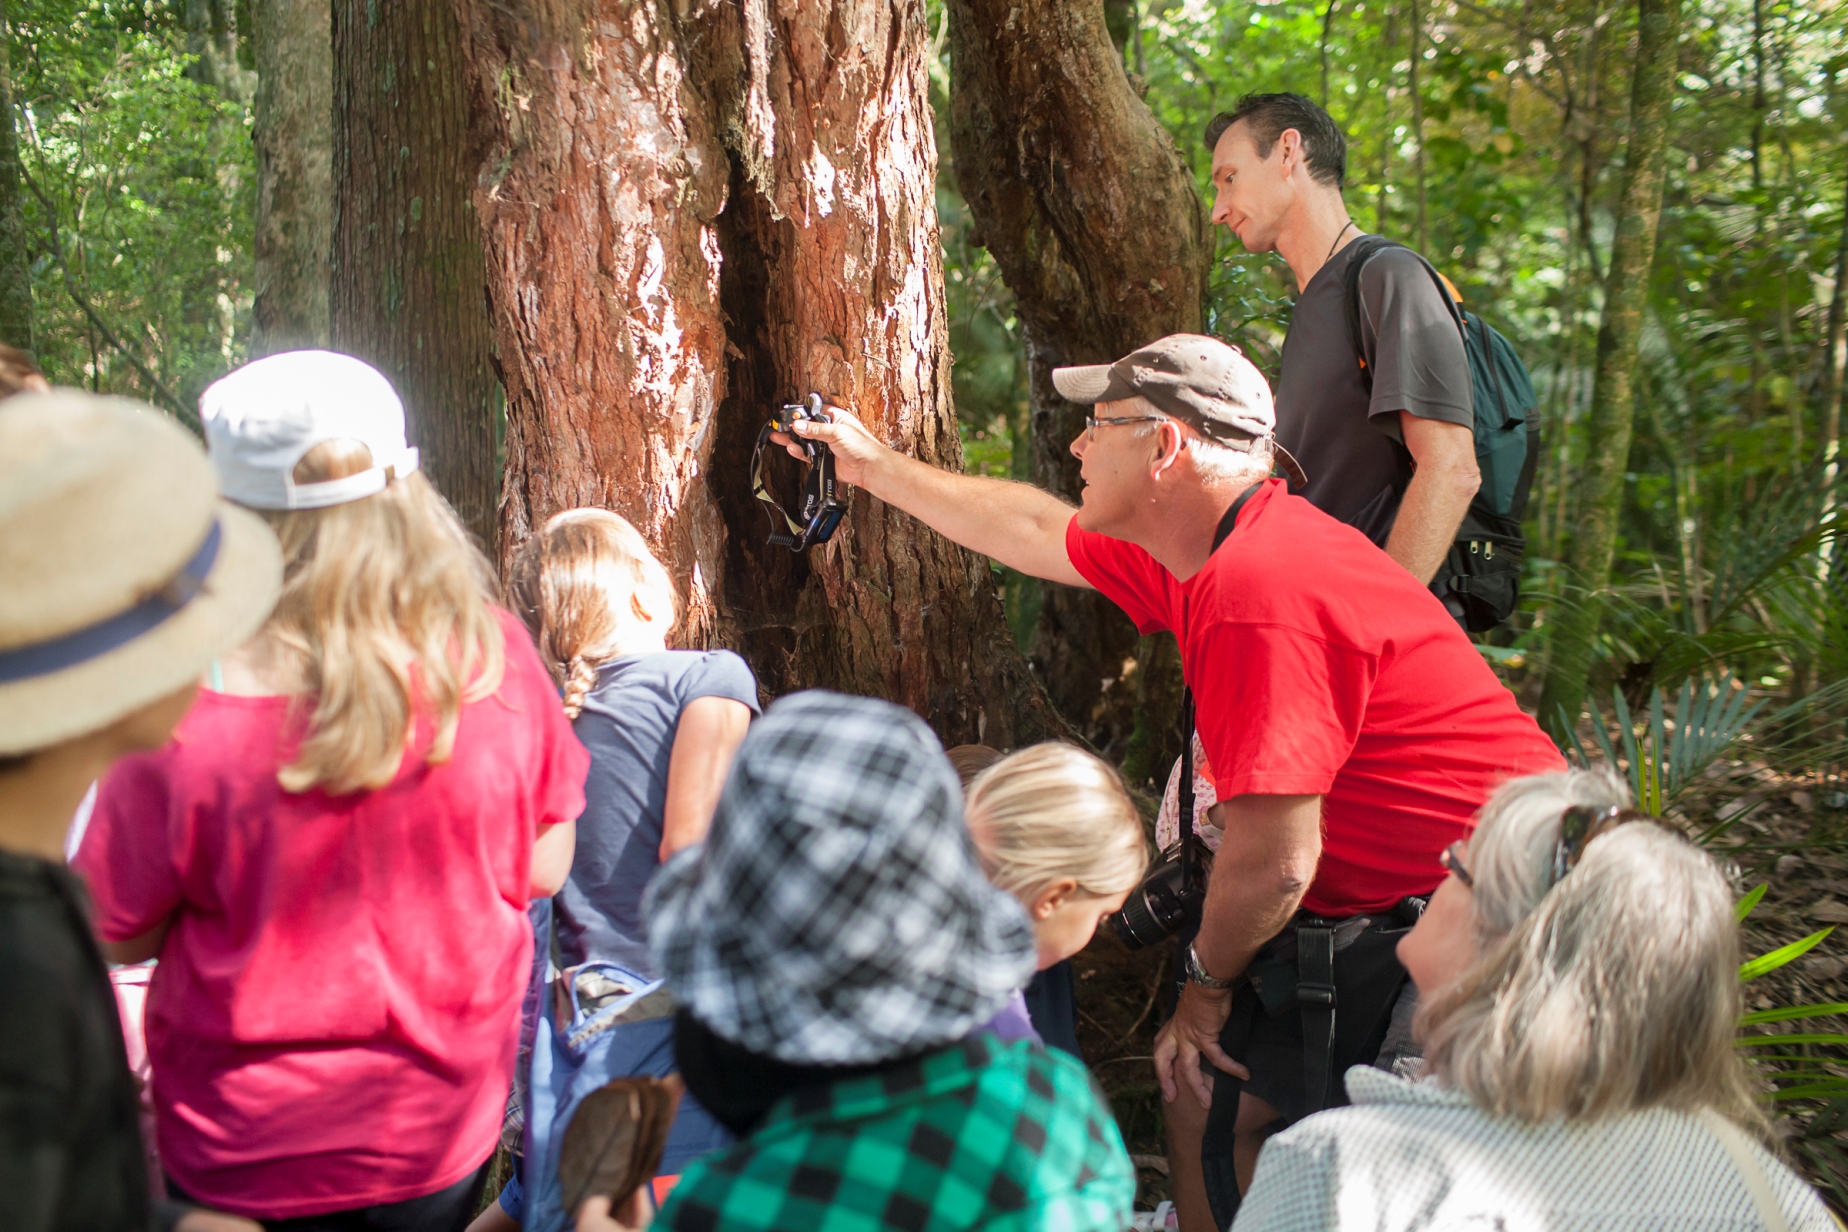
(1159, 907)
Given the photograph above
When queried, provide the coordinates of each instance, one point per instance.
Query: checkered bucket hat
(837, 913)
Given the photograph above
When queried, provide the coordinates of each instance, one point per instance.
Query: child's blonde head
(370, 588)
(1051, 813)
(590, 590)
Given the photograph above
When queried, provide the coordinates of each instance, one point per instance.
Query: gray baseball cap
(1203, 382)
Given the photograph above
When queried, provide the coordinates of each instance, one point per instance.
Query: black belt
(1297, 968)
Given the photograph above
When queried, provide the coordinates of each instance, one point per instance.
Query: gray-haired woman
(1579, 978)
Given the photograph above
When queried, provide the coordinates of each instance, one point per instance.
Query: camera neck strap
(821, 508)
(1184, 803)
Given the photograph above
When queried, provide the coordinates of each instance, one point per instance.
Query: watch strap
(1198, 974)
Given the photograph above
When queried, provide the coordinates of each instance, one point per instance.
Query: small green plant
(1806, 1067)
(1709, 719)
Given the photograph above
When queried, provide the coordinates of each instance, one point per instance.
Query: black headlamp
(821, 510)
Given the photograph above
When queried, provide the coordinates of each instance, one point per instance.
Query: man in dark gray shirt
(1279, 164)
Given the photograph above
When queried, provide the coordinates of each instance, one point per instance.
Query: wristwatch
(1196, 972)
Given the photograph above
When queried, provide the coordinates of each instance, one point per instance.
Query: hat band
(327, 492)
(70, 649)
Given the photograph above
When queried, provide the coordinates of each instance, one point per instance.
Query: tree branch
(181, 411)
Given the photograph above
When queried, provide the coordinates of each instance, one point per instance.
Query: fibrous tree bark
(15, 269)
(408, 284)
(293, 135)
(602, 179)
(1612, 413)
(695, 211)
(1090, 213)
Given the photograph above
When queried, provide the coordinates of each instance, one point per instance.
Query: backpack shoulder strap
(1365, 249)
(1757, 1185)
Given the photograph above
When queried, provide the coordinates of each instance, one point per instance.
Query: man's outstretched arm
(1015, 523)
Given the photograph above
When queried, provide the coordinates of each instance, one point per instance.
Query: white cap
(261, 419)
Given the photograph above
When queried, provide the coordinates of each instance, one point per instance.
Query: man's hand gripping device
(821, 509)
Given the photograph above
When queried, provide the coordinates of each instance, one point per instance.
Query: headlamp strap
(821, 509)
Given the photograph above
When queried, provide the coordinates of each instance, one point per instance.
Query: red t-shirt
(334, 1017)
(1319, 666)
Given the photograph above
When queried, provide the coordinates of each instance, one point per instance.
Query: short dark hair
(1324, 147)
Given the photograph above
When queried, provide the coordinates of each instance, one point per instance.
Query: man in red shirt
(1352, 728)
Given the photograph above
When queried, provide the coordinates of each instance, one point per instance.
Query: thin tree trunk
(15, 268)
(1613, 400)
(1834, 364)
(1418, 141)
(1090, 213)
(1328, 27)
(212, 38)
(694, 214)
(408, 286)
(295, 186)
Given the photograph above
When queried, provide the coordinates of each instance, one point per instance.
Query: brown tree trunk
(15, 269)
(293, 135)
(1090, 212)
(695, 213)
(408, 285)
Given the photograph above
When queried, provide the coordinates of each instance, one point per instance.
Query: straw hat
(124, 573)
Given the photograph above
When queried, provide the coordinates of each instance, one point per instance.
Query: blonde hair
(1619, 991)
(369, 588)
(587, 586)
(1052, 812)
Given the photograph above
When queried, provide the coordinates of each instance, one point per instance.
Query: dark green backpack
(1482, 574)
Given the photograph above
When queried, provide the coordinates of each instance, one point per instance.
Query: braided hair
(589, 590)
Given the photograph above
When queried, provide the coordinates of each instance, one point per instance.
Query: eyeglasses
(1093, 422)
(1453, 864)
(1578, 826)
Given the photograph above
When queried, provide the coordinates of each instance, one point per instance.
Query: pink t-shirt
(333, 1020)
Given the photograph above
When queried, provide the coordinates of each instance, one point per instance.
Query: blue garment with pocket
(630, 1035)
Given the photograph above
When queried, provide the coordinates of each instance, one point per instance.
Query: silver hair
(1510, 856)
(1616, 991)
(1216, 462)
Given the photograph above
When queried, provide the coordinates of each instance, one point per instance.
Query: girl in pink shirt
(332, 858)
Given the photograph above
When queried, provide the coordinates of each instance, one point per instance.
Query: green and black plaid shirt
(980, 1135)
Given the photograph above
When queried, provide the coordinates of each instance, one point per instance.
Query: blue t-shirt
(628, 724)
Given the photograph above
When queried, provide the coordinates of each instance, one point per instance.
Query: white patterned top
(1414, 1155)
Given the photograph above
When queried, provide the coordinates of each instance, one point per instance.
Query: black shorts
(1268, 1041)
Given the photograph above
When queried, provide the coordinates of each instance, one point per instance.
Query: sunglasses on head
(1578, 825)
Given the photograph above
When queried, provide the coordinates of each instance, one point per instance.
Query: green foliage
(1764, 964)
(1809, 1074)
(140, 203)
(1725, 521)
(1670, 754)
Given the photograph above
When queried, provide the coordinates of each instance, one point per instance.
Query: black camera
(1172, 896)
(1168, 900)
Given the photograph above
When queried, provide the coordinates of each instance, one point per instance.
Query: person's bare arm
(138, 949)
(1443, 483)
(1262, 870)
(552, 854)
(1015, 523)
(709, 733)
